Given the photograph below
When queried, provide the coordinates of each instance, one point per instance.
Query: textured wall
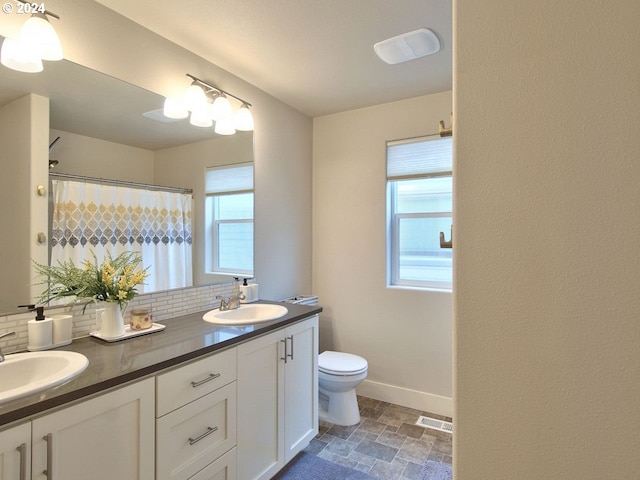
(546, 333)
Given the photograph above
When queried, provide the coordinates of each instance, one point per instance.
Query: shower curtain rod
(106, 181)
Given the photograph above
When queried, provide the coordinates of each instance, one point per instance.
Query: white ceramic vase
(112, 325)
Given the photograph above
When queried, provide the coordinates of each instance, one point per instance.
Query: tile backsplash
(164, 305)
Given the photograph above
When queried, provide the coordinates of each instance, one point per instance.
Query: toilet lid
(341, 363)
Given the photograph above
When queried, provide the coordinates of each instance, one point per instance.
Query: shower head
(52, 163)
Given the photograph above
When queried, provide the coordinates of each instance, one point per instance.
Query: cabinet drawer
(223, 468)
(190, 438)
(185, 384)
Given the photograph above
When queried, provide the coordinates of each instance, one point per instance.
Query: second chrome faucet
(232, 302)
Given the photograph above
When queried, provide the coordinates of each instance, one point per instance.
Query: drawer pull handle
(212, 376)
(210, 430)
(290, 355)
(48, 472)
(284, 341)
(23, 461)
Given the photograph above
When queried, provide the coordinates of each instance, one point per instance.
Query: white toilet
(338, 376)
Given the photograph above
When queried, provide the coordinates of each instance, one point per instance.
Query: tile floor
(386, 443)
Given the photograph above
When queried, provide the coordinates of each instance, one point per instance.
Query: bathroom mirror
(88, 108)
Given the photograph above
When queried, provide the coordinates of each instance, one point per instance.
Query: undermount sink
(246, 314)
(24, 374)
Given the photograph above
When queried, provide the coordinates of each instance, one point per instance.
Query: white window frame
(395, 279)
(215, 243)
(214, 191)
(431, 170)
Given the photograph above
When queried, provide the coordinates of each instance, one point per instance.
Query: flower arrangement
(114, 280)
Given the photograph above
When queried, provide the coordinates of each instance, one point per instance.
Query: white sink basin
(23, 374)
(247, 313)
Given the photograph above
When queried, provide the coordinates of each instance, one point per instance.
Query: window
(419, 207)
(229, 219)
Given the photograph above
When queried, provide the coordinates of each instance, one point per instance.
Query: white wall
(98, 38)
(93, 157)
(405, 335)
(546, 254)
(23, 164)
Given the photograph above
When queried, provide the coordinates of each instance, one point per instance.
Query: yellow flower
(122, 295)
(138, 277)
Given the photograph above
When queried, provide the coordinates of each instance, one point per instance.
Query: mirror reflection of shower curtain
(97, 218)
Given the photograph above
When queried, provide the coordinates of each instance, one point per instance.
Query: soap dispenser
(250, 291)
(40, 330)
(246, 291)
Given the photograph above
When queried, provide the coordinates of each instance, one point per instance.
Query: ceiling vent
(408, 46)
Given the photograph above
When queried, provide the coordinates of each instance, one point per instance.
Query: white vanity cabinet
(103, 438)
(277, 398)
(239, 413)
(196, 424)
(15, 453)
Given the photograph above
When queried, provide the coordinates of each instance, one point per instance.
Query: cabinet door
(260, 407)
(301, 386)
(15, 453)
(111, 436)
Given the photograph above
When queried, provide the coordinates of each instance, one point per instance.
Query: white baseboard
(423, 401)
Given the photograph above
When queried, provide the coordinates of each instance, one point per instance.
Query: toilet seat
(339, 363)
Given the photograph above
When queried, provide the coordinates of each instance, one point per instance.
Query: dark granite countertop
(113, 364)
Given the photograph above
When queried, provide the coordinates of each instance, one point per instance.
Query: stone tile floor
(386, 443)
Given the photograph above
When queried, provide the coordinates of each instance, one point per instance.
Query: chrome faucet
(232, 302)
(2, 335)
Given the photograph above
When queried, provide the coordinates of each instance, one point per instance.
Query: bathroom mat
(310, 467)
(435, 471)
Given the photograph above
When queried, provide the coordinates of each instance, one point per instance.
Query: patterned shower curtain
(97, 218)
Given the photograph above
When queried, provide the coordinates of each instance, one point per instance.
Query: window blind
(419, 157)
(229, 179)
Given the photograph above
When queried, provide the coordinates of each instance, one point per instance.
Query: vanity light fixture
(37, 41)
(200, 116)
(175, 108)
(244, 119)
(221, 108)
(225, 126)
(204, 104)
(194, 96)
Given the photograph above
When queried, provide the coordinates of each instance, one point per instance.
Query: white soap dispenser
(40, 331)
(250, 291)
(245, 289)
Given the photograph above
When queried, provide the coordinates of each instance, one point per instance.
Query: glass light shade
(37, 31)
(221, 109)
(194, 97)
(200, 116)
(17, 55)
(224, 126)
(244, 119)
(174, 108)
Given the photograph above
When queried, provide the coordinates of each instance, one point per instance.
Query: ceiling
(315, 55)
